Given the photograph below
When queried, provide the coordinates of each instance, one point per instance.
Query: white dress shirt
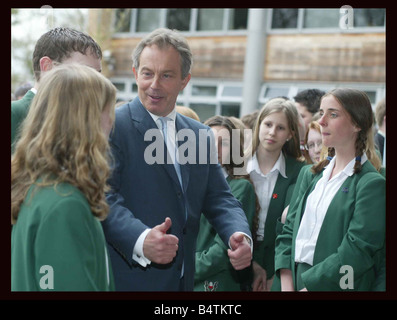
(264, 186)
(317, 204)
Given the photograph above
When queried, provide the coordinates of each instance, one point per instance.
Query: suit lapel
(144, 122)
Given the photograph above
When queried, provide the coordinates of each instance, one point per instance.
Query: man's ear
(45, 64)
(186, 81)
(135, 73)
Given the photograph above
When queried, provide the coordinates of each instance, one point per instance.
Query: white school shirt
(317, 204)
(137, 254)
(264, 186)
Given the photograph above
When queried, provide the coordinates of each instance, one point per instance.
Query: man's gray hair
(162, 38)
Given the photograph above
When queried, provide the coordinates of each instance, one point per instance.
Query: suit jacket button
(179, 194)
(184, 230)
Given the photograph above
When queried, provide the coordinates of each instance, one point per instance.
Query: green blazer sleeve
(19, 110)
(70, 241)
(212, 260)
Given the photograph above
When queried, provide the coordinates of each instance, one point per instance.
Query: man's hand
(240, 255)
(160, 247)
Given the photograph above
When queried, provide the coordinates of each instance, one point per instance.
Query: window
(321, 18)
(369, 17)
(182, 19)
(325, 18)
(230, 110)
(204, 91)
(122, 20)
(284, 18)
(178, 19)
(232, 91)
(134, 87)
(274, 92)
(148, 20)
(204, 110)
(120, 86)
(210, 19)
(238, 19)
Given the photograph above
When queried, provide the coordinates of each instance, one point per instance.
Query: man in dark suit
(155, 206)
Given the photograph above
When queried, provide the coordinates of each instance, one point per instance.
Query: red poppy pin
(275, 195)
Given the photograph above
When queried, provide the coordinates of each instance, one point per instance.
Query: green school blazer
(281, 195)
(19, 110)
(57, 244)
(214, 271)
(352, 236)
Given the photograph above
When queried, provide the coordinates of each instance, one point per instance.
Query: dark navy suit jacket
(144, 194)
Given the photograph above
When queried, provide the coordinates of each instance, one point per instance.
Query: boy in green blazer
(59, 45)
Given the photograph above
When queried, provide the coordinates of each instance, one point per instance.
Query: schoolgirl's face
(222, 142)
(274, 132)
(337, 129)
(314, 144)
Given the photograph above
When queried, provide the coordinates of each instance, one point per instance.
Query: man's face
(159, 79)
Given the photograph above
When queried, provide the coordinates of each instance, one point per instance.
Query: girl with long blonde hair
(274, 167)
(58, 181)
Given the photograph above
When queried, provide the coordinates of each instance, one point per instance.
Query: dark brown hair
(59, 43)
(358, 106)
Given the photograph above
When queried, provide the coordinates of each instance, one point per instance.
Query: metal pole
(254, 60)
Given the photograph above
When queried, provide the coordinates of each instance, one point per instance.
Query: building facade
(298, 49)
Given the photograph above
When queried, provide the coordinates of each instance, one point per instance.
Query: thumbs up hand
(160, 247)
(240, 254)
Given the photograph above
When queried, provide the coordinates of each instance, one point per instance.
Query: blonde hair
(358, 106)
(291, 147)
(62, 139)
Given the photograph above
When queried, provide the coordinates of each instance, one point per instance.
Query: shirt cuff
(137, 253)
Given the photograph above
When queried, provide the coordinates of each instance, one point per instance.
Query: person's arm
(286, 280)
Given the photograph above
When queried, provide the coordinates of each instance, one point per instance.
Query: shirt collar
(34, 90)
(171, 115)
(348, 170)
(225, 174)
(253, 165)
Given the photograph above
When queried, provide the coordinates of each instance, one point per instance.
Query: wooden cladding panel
(299, 57)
